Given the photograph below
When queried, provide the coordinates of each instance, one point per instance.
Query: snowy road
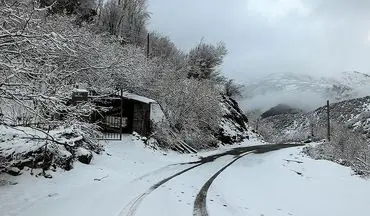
(199, 208)
(131, 180)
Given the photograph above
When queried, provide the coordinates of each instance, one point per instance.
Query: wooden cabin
(127, 113)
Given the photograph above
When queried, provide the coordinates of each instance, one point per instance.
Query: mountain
(304, 91)
(280, 109)
(353, 114)
(354, 78)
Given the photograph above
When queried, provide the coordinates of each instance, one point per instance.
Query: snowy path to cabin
(129, 179)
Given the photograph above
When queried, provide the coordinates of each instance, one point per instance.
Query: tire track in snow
(154, 172)
(200, 204)
(134, 204)
(164, 168)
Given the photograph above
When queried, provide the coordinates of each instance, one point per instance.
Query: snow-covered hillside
(304, 91)
(352, 114)
(349, 132)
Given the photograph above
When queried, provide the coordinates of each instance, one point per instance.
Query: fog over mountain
(304, 91)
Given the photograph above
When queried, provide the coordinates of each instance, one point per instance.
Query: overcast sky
(320, 37)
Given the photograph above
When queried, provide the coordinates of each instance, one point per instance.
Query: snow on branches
(44, 56)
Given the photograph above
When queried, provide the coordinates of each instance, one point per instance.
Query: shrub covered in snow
(345, 147)
(232, 127)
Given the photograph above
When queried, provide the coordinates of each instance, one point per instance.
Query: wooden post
(44, 165)
(147, 45)
(312, 132)
(120, 120)
(328, 119)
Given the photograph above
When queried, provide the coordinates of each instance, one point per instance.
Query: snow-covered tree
(233, 89)
(39, 63)
(44, 56)
(204, 60)
(84, 10)
(126, 19)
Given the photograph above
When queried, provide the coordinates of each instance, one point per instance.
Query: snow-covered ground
(277, 183)
(130, 179)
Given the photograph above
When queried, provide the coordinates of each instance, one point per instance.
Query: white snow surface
(81, 90)
(256, 184)
(137, 97)
(82, 152)
(17, 140)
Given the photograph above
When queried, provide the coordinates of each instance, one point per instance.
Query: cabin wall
(141, 118)
(156, 113)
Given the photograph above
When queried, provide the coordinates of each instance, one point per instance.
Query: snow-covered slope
(354, 78)
(353, 114)
(305, 91)
(349, 133)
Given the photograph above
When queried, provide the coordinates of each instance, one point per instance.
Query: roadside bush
(345, 147)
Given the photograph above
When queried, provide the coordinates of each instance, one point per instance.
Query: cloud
(317, 37)
(307, 100)
(276, 10)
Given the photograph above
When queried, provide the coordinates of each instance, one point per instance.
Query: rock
(307, 141)
(68, 164)
(233, 125)
(14, 171)
(24, 163)
(84, 155)
(63, 157)
(48, 175)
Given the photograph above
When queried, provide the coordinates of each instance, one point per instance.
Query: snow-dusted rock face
(233, 126)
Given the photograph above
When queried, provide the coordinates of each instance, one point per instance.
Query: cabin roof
(137, 98)
(129, 96)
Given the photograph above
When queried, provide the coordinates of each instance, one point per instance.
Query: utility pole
(147, 45)
(312, 130)
(121, 119)
(328, 119)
